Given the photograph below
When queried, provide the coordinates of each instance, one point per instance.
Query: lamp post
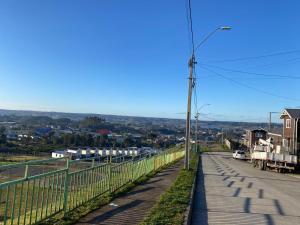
(191, 64)
(270, 120)
(196, 128)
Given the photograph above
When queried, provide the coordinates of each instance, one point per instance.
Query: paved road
(233, 192)
(134, 206)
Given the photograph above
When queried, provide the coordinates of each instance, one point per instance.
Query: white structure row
(94, 152)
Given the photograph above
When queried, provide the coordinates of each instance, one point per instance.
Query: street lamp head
(210, 34)
(225, 28)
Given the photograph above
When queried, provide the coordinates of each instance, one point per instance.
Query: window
(288, 123)
(259, 135)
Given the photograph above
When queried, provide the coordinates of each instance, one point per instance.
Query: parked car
(239, 154)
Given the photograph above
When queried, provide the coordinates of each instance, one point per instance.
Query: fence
(35, 197)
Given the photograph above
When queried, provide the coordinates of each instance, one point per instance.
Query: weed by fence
(33, 198)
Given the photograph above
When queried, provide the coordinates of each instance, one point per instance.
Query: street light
(202, 107)
(211, 34)
(196, 128)
(270, 119)
(191, 64)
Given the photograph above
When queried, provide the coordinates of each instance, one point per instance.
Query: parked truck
(264, 156)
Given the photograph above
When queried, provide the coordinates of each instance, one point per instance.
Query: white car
(239, 154)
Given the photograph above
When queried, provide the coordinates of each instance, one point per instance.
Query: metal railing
(35, 197)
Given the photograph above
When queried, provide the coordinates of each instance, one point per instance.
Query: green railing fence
(51, 186)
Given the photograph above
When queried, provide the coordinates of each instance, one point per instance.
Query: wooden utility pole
(196, 130)
(222, 136)
(188, 115)
(270, 120)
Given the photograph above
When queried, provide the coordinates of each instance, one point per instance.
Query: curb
(189, 209)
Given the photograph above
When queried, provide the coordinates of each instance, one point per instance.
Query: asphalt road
(231, 191)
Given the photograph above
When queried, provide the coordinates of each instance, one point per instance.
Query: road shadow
(103, 217)
(139, 191)
(162, 175)
(199, 210)
(154, 181)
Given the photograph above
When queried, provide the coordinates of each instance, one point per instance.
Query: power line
(250, 87)
(191, 24)
(188, 25)
(256, 57)
(251, 73)
(277, 63)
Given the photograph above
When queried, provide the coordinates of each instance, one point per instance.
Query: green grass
(171, 207)
(10, 159)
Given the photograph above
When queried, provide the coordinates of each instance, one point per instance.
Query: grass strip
(171, 207)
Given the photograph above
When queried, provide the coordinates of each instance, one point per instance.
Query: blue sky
(130, 57)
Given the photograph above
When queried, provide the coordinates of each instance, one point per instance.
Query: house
(275, 139)
(291, 130)
(134, 151)
(43, 131)
(252, 137)
(11, 136)
(75, 153)
(103, 131)
(94, 152)
(85, 153)
(102, 152)
(22, 136)
(58, 154)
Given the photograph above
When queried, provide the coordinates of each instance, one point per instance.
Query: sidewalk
(134, 206)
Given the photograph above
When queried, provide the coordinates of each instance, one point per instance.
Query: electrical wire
(255, 57)
(191, 25)
(188, 26)
(251, 73)
(281, 62)
(250, 87)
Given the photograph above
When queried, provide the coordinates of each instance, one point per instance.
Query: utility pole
(222, 136)
(188, 115)
(196, 130)
(191, 85)
(270, 120)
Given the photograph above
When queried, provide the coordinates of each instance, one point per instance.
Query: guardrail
(33, 198)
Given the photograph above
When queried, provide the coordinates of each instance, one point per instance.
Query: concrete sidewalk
(134, 206)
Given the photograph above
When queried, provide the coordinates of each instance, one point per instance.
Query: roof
(255, 130)
(274, 134)
(59, 152)
(292, 113)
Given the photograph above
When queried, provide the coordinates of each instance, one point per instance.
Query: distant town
(33, 132)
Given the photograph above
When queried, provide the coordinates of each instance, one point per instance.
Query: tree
(2, 139)
(90, 140)
(93, 123)
(97, 141)
(2, 135)
(128, 142)
(2, 130)
(77, 140)
(67, 139)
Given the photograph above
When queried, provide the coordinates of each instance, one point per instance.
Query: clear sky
(130, 57)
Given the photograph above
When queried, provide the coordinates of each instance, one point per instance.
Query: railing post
(132, 170)
(109, 178)
(26, 171)
(66, 186)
